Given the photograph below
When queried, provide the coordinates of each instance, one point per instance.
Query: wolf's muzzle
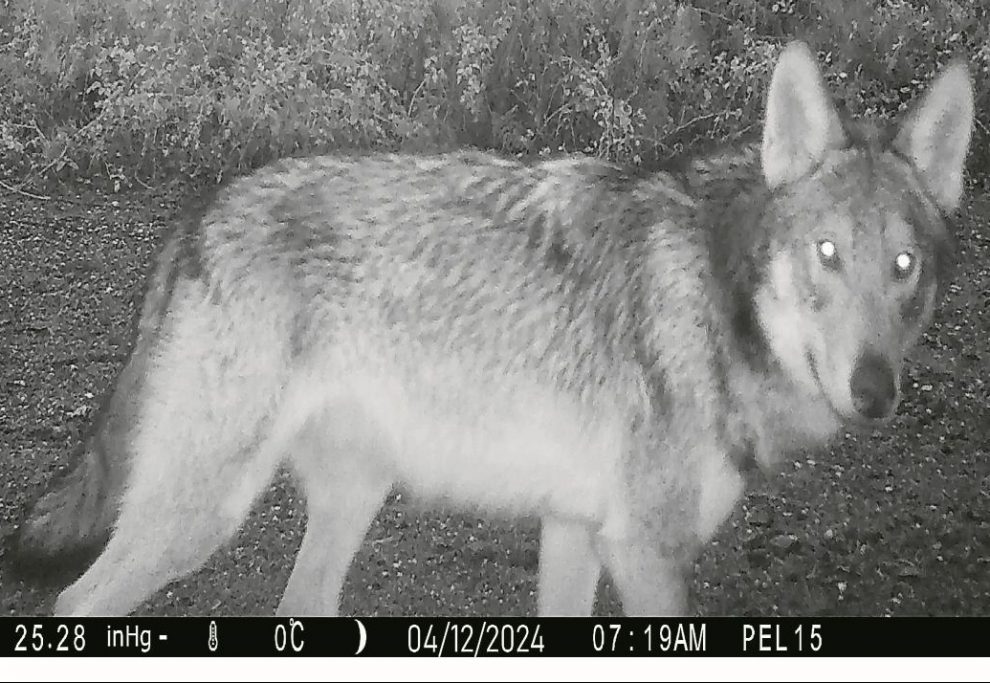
(873, 386)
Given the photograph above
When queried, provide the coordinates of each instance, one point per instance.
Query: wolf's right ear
(935, 135)
(801, 121)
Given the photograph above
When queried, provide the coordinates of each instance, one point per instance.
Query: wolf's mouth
(810, 360)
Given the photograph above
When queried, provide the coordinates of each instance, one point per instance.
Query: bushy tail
(67, 527)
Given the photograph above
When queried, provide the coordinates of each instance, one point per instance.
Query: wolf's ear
(935, 135)
(801, 121)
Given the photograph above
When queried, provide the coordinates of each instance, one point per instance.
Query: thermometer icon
(213, 636)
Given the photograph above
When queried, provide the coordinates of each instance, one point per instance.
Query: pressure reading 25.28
(37, 638)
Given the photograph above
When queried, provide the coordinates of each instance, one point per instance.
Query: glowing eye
(904, 264)
(828, 253)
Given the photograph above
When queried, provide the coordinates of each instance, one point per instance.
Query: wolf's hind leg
(161, 537)
(345, 486)
(569, 568)
(201, 449)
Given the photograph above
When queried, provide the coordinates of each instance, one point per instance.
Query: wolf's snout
(873, 387)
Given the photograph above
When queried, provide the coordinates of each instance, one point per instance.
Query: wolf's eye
(828, 254)
(904, 264)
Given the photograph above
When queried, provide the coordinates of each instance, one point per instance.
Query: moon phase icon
(362, 636)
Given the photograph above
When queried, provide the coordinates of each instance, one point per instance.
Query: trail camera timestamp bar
(488, 637)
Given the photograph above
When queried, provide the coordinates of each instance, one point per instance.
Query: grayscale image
(514, 308)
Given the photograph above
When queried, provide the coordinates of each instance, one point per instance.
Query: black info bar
(494, 636)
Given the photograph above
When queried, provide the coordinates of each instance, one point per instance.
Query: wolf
(604, 349)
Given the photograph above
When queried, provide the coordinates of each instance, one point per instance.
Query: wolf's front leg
(569, 568)
(650, 581)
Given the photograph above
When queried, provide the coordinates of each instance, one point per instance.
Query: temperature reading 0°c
(289, 636)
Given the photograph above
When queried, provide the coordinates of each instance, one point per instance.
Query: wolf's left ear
(801, 121)
(935, 135)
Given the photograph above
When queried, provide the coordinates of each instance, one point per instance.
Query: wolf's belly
(512, 449)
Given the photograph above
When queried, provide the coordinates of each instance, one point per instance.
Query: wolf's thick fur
(561, 339)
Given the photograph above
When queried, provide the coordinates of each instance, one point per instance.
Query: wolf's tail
(67, 527)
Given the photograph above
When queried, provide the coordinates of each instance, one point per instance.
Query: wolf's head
(859, 244)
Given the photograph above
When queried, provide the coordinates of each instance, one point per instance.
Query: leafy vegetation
(137, 91)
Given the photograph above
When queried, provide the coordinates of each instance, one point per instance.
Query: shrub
(130, 91)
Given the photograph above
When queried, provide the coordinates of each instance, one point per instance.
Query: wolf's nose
(872, 386)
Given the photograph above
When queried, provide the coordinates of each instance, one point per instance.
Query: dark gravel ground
(893, 523)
